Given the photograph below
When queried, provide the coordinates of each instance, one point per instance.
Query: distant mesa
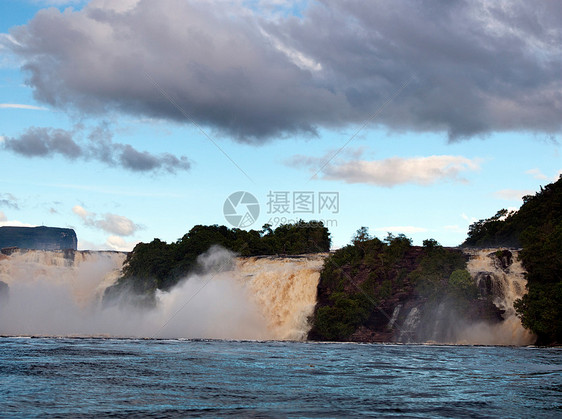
(38, 238)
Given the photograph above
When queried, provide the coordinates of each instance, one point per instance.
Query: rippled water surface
(44, 376)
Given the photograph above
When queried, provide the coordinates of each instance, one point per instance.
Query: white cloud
(402, 229)
(117, 224)
(297, 57)
(536, 173)
(118, 243)
(80, 211)
(21, 106)
(397, 170)
(455, 228)
(4, 222)
(469, 219)
(513, 194)
(112, 223)
(510, 211)
(88, 245)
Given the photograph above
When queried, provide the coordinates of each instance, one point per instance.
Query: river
(219, 378)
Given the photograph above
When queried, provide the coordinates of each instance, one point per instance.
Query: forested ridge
(159, 265)
(536, 228)
(370, 271)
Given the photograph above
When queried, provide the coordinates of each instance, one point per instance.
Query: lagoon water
(171, 378)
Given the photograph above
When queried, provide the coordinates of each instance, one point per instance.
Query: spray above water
(229, 297)
(500, 278)
(258, 298)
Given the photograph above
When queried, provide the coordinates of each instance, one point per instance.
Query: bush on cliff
(541, 308)
(435, 266)
(159, 265)
(537, 228)
(543, 210)
(362, 280)
(342, 317)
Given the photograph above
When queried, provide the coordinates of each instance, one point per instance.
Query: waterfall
(84, 274)
(394, 317)
(408, 328)
(499, 274)
(57, 293)
(500, 277)
(285, 290)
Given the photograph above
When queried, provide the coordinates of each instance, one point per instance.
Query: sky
(138, 119)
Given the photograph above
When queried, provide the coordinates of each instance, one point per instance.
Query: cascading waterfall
(285, 290)
(499, 273)
(59, 293)
(394, 317)
(409, 326)
(83, 274)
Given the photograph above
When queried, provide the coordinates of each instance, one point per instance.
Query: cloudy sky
(134, 119)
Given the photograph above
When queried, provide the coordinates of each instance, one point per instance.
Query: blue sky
(418, 142)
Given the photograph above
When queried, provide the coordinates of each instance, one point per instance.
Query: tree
(462, 285)
(361, 235)
(159, 265)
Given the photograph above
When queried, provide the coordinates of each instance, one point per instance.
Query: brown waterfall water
(503, 278)
(82, 274)
(58, 293)
(259, 298)
(285, 291)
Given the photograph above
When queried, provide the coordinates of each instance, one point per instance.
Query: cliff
(38, 238)
(537, 228)
(393, 292)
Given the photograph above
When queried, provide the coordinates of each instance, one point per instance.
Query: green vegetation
(341, 318)
(435, 267)
(537, 228)
(159, 265)
(462, 286)
(539, 213)
(369, 274)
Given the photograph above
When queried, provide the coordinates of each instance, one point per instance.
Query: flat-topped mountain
(38, 238)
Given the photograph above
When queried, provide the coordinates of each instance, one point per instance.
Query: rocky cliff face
(38, 238)
(400, 311)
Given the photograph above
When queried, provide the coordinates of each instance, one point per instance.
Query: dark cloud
(143, 161)
(479, 66)
(41, 142)
(8, 200)
(46, 142)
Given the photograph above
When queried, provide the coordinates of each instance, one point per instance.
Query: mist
(52, 296)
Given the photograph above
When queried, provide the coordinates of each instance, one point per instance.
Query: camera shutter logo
(241, 209)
